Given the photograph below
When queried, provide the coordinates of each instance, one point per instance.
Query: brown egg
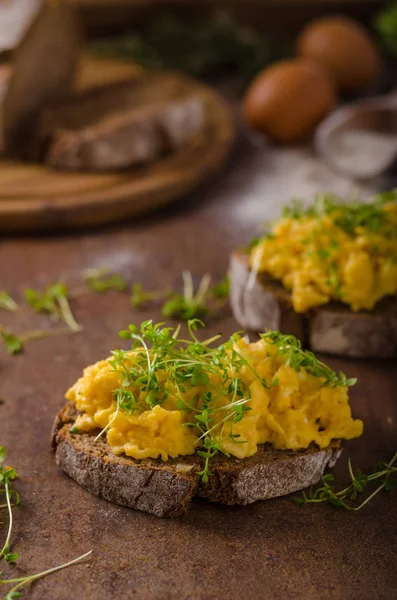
(344, 47)
(287, 99)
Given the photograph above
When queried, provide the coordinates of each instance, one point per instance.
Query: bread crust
(43, 69)
(165, 489)
(261, 303)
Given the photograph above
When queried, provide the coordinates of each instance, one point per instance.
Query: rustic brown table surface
(269, 550)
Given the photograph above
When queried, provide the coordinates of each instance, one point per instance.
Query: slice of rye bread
(260, 303)
(165, 489)
(119, 125)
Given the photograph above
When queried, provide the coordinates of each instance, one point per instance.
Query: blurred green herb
(140, 296)
(12, 342)
(191, 303)
(7, 302)
(349, 215)
(7, 476)
(198, 46)
(386, 26)
(323, 253)
(101, 280)
(54, 301)
(384, 473)
(252, 244)
(16, 343)
(221, 290)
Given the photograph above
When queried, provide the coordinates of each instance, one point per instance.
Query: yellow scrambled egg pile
(297, 410)
(319, 261)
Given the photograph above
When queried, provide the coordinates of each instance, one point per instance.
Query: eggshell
(343, 47)
(287, 99)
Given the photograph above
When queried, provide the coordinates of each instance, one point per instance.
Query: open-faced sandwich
(327, 274)
(174, 418)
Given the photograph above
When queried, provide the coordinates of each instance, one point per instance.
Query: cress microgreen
(221, 290)
(140, 296)
(191, 304)
(7, 302)
(297, 358)
(54, 301)
(13, 343)
(7, 476)
(323, 253)
(16, 343)
(188, 305)
(125, 401)
(101, 280)
(223, 395)
(384, 473)
(349, 215)
(29, 579)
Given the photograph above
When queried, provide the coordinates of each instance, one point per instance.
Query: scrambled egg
(319, 261)
(291, 414)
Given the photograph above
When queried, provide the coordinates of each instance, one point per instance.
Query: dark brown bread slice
(5, 76)
(165, 489)
(87, 107)
(259, 303)
(43, 68)
(119, 125)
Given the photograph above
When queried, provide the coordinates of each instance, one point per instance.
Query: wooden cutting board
(33, 197)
